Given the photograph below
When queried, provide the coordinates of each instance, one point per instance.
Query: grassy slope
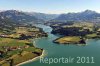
(68, 39)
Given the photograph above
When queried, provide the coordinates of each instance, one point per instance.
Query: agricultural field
(17, 45)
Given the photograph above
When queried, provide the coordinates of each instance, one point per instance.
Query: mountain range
(43, 16)
(17, 16)
(35, 17)
(20, 16)
(86, 15)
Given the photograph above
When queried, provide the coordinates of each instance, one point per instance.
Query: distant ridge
(18, 16)
(34, 17)
(87, 15)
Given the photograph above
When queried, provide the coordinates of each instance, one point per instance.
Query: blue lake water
(52, 50)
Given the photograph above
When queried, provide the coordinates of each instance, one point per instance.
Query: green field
(68, 39)
(19, 50)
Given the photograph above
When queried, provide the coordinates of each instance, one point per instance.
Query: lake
(52, 50)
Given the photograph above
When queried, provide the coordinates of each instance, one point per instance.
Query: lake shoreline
(33, 59)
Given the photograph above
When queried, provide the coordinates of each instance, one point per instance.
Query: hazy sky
(50, 6)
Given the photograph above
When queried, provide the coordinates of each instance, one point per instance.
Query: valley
(19, 30)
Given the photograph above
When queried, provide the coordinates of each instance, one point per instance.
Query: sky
(50, 6)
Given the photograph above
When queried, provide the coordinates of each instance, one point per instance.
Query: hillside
(18, 16)
(43, 16)
(86, 15)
